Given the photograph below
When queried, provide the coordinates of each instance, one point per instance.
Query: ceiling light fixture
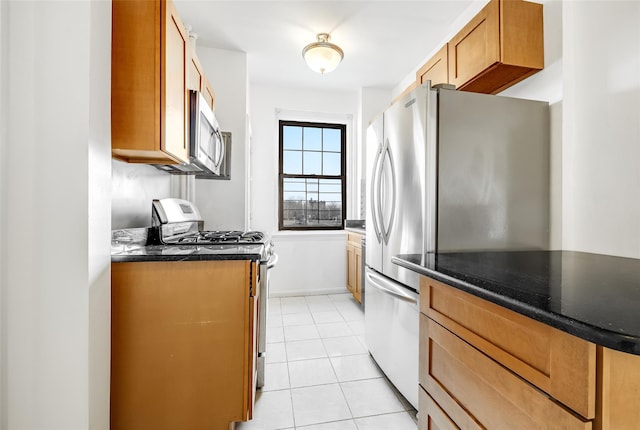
(322, 56)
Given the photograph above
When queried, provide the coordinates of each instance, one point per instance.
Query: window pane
(292, 162)
(323, 209)
(331, 163)
(331, 139)
(292, 137)
(312, 163)
(312, 139)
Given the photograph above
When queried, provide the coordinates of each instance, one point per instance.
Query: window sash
(317, 209)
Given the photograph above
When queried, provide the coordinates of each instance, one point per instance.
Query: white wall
(601, 134)
(592, 80)
(55, 215)
(222, 203)
(309, 262)
(4, 86)
(99, 215)
(454, 28)
(372, 102)
(547, 85)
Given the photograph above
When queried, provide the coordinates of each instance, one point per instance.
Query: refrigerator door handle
(375, 186)
(390, 287)
(386, 230)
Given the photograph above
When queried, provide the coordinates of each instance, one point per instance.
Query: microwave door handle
(219, 148)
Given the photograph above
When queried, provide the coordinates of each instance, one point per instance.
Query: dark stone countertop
(591, 296)
(355, 225)
(127, 253)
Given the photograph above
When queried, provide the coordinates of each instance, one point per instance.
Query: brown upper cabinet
(197, 80)
(195, 74)
(502, 45)
(207, 92)
(435, 70)
(149, 98)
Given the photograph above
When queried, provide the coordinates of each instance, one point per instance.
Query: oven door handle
(272, 261)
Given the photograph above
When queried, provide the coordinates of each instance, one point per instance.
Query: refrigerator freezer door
(493, 172)
(391, 331)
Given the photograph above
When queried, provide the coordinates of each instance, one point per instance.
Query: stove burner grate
(220, 237)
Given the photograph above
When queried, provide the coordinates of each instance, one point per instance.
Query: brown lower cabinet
(183, 344)
(483, 366)
(354, 265)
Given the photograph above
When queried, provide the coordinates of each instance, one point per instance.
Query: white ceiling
(383, 41)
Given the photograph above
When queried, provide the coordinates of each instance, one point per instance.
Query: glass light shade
(322, 56)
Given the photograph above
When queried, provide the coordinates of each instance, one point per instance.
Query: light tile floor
(319, 374)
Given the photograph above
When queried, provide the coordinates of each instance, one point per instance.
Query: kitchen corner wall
(592, 80)
(55, 215)
(4, 137)
(310, 262)
(372, 103)
(222, 203)
(601, 127)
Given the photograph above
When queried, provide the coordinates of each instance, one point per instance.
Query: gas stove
(178, 222)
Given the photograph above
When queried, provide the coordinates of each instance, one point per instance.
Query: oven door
(263, 309)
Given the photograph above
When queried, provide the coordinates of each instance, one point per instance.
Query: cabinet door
(135, 78)
(179, 344)
(432, 417)
(351, 267)
(357, 294)
(476, 46)
(436, 69)
(194, 74)
(207, 91)
(175, 118)
(252, 337)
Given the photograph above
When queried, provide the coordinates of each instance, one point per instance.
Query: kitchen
(55, 62)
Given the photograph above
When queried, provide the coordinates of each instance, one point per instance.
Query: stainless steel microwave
(209, 148)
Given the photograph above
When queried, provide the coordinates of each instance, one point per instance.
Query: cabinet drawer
(559, 364)
(472, 387)
(355, 240)
(431, 416)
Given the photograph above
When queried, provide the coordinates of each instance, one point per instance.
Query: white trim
(309, 234)
(314, 292)
(351, 175)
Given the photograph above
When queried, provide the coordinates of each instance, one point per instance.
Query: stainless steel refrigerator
(446, 171)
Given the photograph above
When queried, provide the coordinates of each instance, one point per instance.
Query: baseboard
(314, 292)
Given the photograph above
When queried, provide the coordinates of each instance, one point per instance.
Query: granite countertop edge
(125, 258)
(609, 339)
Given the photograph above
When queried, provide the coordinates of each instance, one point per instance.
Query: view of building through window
(312, 175)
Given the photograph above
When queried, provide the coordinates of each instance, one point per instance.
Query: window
(312, 178)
